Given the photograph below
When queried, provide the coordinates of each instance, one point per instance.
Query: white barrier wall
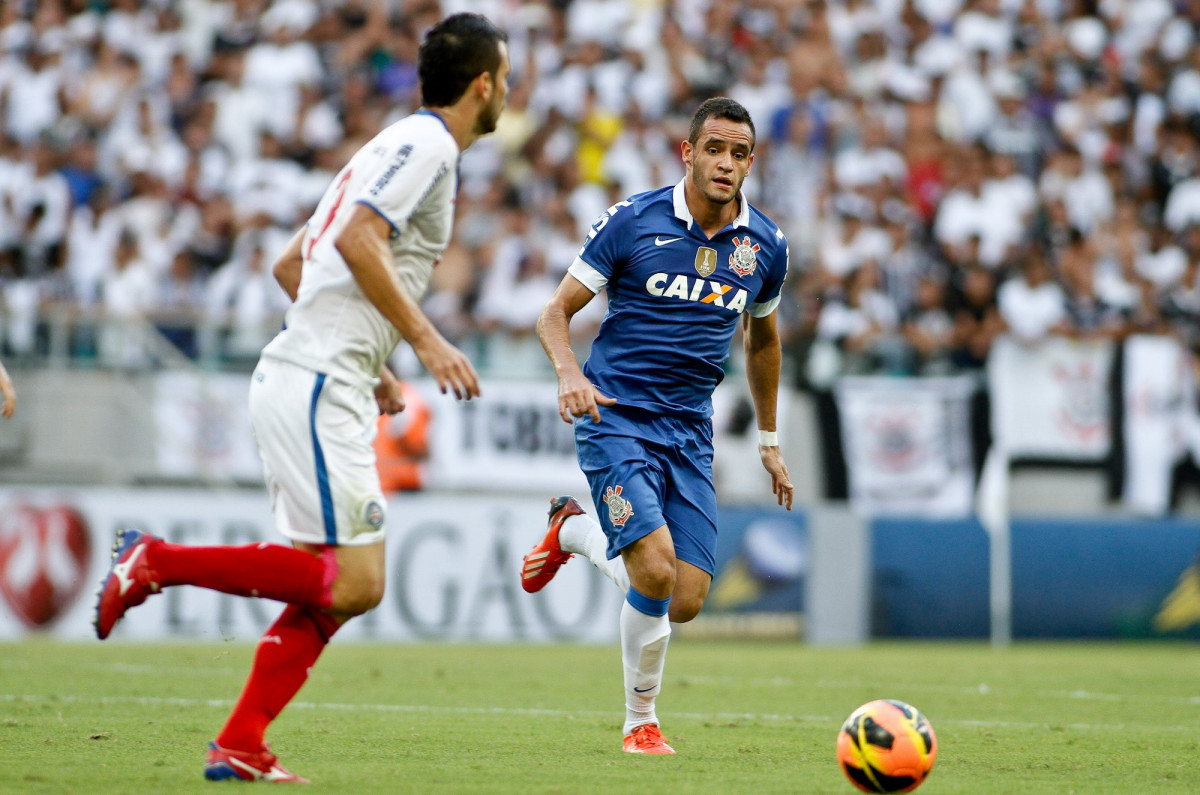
(453, 565)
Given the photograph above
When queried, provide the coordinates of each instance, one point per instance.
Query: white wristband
(768, 439)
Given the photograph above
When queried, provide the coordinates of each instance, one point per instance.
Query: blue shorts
(647, 470)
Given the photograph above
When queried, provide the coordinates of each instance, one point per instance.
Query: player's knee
(656, 579)
(364, 595)
(684, 607)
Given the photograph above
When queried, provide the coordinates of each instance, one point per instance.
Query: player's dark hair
(720, 108)
(456, 51)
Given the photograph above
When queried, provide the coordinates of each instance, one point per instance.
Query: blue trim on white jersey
(381, 214)
(322, 473)
(428, 112)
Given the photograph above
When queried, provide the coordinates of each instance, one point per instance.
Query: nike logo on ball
(658, 241)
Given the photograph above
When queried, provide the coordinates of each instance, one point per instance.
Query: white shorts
(315, 437)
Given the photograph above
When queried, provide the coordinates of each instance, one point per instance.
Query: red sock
(285, 654)
(269, 571)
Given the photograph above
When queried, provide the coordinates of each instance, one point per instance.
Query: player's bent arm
(576, 395)
(288, 264)
(364, 247)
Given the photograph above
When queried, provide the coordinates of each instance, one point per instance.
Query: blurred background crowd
(945, 170)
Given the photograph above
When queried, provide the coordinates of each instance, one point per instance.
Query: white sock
(582, 535)
(644, 653)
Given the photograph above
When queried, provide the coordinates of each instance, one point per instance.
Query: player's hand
(449, 366)
(388, 394)
(781, 484)
(578, 396)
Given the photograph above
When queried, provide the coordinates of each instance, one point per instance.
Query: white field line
(154, 701)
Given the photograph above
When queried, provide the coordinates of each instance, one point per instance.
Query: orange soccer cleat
(647, 739)
(544, 560)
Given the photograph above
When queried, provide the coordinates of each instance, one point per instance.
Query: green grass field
(744, 717)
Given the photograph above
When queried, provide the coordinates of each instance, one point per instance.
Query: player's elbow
(287, 274)
(551, 316)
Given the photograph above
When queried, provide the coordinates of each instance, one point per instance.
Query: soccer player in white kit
(355, 271)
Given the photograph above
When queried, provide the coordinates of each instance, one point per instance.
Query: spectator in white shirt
(1183, 205)
(1084, 190)
(983, 27)
(861, 321)
(92, 239)
(41, 207)
(1162, 263)
(32, 100)
(1006, 186)
(278, 66)
(128, 293)
(244, 297)
(102, 91)
(1183, 92)
(969, 212)
(871, 161)
(1033, 305)
(241, 110)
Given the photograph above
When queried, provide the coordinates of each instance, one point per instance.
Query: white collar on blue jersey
(684, 214)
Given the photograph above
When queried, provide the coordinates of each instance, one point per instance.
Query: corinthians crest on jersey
(742, 260)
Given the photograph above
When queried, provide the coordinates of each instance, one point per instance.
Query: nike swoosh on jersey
(658, 241)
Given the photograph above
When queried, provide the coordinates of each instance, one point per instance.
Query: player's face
(719, 162)
(490, 113)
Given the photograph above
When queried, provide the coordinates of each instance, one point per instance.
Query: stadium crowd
(944, 169)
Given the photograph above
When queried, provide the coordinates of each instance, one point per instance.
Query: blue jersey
(674, 298)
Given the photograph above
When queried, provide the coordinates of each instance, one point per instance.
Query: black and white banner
(1159, 393)
(453, 569)
(1050, 399)
(907, 444)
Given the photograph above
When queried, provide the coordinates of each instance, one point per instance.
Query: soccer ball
(886, 746)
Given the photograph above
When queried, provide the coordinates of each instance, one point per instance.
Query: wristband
(768, 439)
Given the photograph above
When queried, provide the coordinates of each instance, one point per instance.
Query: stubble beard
(488, 117)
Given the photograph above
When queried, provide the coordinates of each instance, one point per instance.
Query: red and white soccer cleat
(226, 765)
(544, 560)
(647, 739)
(128, 582)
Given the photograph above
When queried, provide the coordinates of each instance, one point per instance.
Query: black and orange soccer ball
(886, 746)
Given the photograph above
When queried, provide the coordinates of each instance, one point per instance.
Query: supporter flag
(1158, 390)
(907, 444)
(1050, 398)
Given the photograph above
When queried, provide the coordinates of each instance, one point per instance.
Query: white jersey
(408, 173)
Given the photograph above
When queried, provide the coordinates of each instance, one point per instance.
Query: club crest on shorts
(373, 515)
(706, 261)
(619, 508)
(742, 260)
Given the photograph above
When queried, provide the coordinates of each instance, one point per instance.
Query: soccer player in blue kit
(681, 265)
